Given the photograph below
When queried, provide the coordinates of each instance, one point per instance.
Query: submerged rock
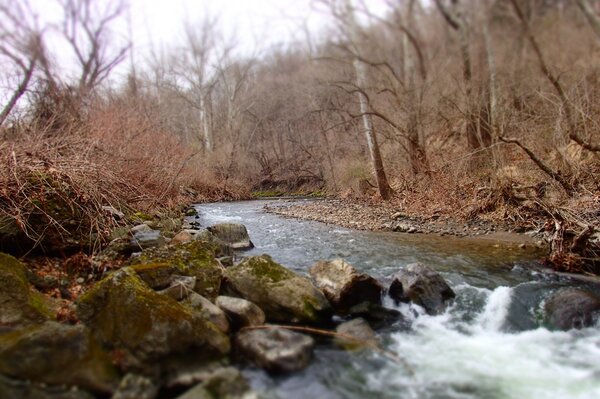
(123, 312)
(19, 304)
(283, 295)
(226, 383)
(58, 354)
(233, 234)
(572, 308)
(377, 315)
(344, 286)
(195, 259)
(275, 350)
(423, 286)
(359, 333)
(241, 313)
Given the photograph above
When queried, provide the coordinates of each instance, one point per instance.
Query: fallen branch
(328, 333)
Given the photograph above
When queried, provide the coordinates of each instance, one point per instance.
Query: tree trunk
(590, 15)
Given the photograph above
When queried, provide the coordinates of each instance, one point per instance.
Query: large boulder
(241, 313)
(123, 312)
(233, 234)
(283, 295)
(57, 354)
(423, 286)
(344, 286)
(156, 266)
(275, 350)
(19, 304)
(572, 308)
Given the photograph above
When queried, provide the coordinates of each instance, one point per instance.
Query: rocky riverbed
(382, 217)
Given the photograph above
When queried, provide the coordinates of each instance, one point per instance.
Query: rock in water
(233, 234)
(123, 312)
(344, 286)
(227, 383)
(572, 308)
(283, 295)
(57, 354)
(423, 286)
(358, 329)
(19, 305)
(275, 350)
(241, 312)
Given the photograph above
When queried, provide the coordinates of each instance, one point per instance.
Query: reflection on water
(489, 344)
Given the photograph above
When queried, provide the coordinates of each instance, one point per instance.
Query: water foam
(476, 358)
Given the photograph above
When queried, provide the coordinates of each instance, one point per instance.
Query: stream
(490, 343)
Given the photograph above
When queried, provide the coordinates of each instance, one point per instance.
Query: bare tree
(86, 26)
(20, 51)
(591, 16)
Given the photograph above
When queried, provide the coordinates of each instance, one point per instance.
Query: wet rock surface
(572, 308)
(283, 295)
(233, 234)
(344, 286)
(275, 350)
(355, 334)
(226, 383)
(423, 286)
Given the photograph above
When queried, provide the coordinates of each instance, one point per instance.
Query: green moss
(264, 267)
(41, 305)
(196, 259)
(268, 194)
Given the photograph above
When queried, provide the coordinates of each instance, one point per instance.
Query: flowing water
(490, 343)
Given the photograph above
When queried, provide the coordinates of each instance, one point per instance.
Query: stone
(275, 349)
(378, 316)
(343, 285)
(241, 313)
(194, 259)
(359, 332)
(191, 212)
(147, 239)
(134, 386)
(140, 228)
(208, 310)
(233, 234)
(124, 313)
(19, 304)
(572, 308)
(114, 212)
(423, 286)
(181, 287)
(283, 295)
(57, 354)
(182, 237)
(226, 383)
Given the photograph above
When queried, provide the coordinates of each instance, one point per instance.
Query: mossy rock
(59, 354)
(123, 312)
(283, 295)
(195, 259)
(19, 304)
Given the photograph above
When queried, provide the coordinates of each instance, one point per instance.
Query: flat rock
(275, 350)
(343, 285)
(241, 313)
